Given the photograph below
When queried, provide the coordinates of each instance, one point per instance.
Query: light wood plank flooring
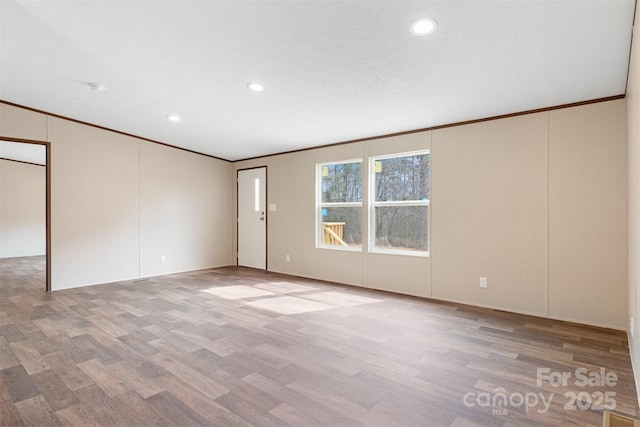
(237, 347)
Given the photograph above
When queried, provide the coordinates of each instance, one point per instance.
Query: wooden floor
(233, 346)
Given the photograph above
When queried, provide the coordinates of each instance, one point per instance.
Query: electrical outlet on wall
(287, 258)
(163, 258)
(483, 282)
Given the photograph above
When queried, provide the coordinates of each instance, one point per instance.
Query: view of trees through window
(401, 192)
(341, 204)
(399, 202)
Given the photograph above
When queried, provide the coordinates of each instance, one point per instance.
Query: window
(339, 213)
(400, 203)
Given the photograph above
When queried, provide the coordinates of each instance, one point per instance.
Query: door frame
(266, 211)
(47, 149)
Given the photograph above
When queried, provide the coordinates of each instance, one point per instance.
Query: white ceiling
(332, 70)
(30, 153)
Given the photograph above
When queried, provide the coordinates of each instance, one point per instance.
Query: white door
(252, 218)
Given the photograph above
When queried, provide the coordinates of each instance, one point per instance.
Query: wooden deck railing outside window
(332, 233)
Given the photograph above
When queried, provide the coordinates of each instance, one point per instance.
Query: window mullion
(340, 204)
(402, 203)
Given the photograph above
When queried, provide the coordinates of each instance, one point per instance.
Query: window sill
(340, 248)
(419, 254)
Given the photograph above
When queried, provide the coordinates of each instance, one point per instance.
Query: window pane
(256, 193)
(402, 227)
(342, 226)
(341, 182)
(402, 178)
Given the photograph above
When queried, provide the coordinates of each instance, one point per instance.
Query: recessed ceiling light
(173, 118)
(256, 87)
(424, 26)
(97, 87)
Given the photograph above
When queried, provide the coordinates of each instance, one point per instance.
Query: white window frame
(320, 205)
(373, 204)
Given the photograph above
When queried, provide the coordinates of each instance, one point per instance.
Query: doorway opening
(25, 231)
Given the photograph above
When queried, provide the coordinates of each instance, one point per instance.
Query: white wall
(588, 213)
(490, 213)
(22, 209)
(184, 210)
(94, 205)
(118, 202)
(633, 135)
(511, 199)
